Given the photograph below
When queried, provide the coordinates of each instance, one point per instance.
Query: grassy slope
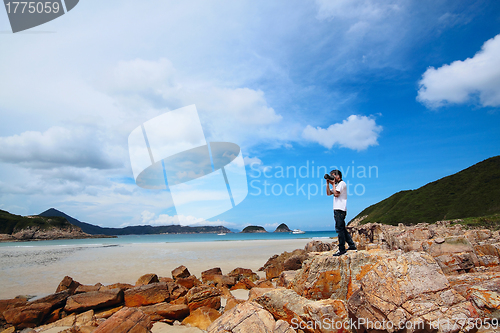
(472, 192)
(10, 223)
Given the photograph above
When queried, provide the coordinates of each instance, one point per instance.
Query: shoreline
(38, 270)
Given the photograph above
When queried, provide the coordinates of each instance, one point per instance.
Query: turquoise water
(174, 238)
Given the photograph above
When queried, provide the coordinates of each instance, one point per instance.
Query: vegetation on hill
(282, 228)
(10, 223)
(491, 222)
(253, 228)
(472, 192)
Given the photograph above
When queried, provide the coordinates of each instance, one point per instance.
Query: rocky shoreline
(424, 278)
(37, 233)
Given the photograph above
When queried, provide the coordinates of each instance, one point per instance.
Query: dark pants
(343, 235)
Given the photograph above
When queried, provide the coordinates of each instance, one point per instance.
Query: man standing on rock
(339, 192)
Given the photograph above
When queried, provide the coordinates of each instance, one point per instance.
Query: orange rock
(147, 294)
(326, 276)
(126, 320)
(176, 290)
(166, 311)
(232, 302)
(69, 284)
(30, 315)
(212, 271)
(202, 317)
(203, 295)
(180, 272)
(180, 300)
(6, 304)
(240, 273)
(188, 282)
(147, 279)
(93, 300)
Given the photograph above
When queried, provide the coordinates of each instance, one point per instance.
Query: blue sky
(409, 90)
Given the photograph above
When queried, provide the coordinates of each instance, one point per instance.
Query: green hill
(253, 228)
(10, 223)
(472, 192)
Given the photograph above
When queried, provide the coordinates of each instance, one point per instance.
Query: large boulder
(327, 276)
(203, 295)
(6, 304)
(210, 272)
(166, 311)
(248, 317)
(147, 279)
(147, 294)
(180, 272)
(328, 315)
(30, 315)
(126, 320)
(93, 300)
(409, 289)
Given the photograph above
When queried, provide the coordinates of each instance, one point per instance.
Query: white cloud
(58, 146)
(463, 81)
(356, 132)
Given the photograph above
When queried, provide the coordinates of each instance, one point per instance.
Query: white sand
(38, 270)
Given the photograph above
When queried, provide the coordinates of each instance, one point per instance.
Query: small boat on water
(222, 234)
(298, 231)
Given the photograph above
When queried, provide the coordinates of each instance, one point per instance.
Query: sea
(173, 238)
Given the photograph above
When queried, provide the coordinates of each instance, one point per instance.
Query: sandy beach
(38, 270)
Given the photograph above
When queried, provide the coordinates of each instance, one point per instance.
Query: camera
(328, 177)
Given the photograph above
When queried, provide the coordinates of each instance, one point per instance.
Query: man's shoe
(352, 249)
(339, 253)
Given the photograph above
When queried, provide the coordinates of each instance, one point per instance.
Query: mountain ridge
(133, 230)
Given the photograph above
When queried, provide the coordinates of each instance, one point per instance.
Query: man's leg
(339, 216)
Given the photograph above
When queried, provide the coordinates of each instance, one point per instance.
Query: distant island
(282, 228)
(253, 229)
(471, 195)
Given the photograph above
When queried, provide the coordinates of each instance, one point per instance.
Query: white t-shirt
(340, 202)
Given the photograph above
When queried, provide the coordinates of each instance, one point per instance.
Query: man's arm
(333, 191)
